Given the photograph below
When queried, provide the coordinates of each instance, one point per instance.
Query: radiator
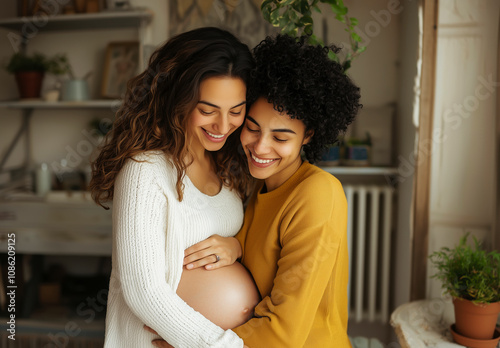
(369, 227)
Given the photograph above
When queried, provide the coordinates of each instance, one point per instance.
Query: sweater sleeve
(311, 230)
(140, 214)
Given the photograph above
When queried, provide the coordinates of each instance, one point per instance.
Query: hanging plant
(294, 18)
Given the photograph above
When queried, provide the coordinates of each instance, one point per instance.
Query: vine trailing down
(294, 18)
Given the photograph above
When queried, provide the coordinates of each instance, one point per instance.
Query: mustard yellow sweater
(295, 245)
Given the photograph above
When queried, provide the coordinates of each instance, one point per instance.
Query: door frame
(421, 189)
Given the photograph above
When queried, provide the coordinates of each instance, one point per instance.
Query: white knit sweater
(151, 230)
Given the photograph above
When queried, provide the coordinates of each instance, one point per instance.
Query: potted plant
(331, 155)
(29, 71)
(471, 276)
(357, 151)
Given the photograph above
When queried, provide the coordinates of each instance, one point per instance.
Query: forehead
(223, 90)
(267, 117)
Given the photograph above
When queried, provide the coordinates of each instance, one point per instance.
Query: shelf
(45, 330)
(62, 224)
(41, 104)
(36, 244)
(360, 170)
(84, 21)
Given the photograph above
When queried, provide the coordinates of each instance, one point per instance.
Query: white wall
(375, 70)
(463, 158)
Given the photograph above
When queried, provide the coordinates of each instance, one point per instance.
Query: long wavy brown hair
(157, 105)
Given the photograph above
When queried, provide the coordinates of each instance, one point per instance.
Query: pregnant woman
(172, 172)
(294, 237)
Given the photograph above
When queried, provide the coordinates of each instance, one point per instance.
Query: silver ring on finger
(217, 258)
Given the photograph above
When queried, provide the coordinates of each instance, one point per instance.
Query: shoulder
(149, 158)
(152, 166)
(149, 161)
(315, 183)
(316, 203)
(318, 195)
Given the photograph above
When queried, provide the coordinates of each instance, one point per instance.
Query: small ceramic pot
(75, 90)
(52, 95)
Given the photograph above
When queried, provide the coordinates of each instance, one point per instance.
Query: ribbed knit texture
(151, 230)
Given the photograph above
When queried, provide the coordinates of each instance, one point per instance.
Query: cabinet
(64, 224)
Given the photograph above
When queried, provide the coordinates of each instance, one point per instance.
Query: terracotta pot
(473, 343)
(476, 321)
(92, 6)
(29, 84)
(80, 5)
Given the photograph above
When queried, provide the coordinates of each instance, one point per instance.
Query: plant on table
(471, 276)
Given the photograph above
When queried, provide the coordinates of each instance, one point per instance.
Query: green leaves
(22, 62)
(294, 17)
(265, 9)
(339, 10)
(468, 272)
(57, 65)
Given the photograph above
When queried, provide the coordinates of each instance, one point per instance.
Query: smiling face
(272, 142)
(218, 113)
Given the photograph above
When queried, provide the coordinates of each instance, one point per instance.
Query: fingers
(147, 328)
(208, 262)
(161, 344)
(204, 254)
(158, 342)
(204, 244)
(200, 255)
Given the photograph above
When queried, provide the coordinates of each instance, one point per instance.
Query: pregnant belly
(226, 296)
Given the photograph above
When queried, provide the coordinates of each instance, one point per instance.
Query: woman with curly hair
(171, 170)
(294, 236)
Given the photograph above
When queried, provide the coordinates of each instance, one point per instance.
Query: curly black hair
(302, 81)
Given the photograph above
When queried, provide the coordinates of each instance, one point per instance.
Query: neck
(274, 182)
(196, 153)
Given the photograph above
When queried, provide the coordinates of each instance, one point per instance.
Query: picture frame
(120, 65)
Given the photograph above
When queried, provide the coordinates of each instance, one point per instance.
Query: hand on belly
(226, 296)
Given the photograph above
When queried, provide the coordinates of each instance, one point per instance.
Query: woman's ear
(308, 136)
